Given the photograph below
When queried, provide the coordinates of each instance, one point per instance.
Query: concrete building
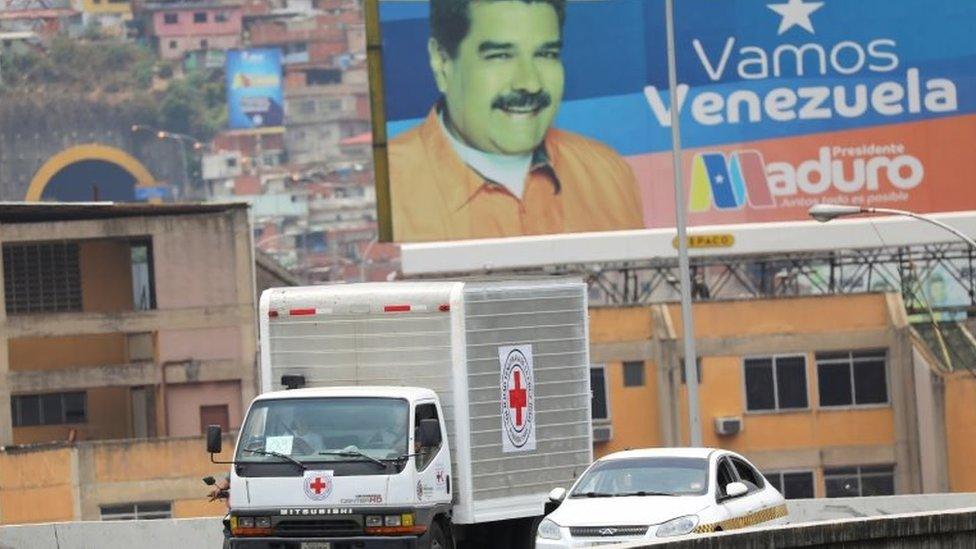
(124, 321)
(319, 118)
(108, 480)
(830, 396)
(110, 16)
(179, 27)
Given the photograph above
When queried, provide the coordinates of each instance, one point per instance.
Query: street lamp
(181, 138)
(826, 212)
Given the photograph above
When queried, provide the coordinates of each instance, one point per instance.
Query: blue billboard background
(616, 48)
(255, 96)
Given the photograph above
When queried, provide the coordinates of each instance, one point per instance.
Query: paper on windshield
(280, 444)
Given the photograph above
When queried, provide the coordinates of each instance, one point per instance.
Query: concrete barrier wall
(811, 510)
(177, 533)
(936, 518)
(954, 529)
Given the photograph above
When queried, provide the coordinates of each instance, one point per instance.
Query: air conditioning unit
(726, 426)
(602, 433)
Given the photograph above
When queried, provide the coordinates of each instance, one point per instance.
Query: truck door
(433, 463)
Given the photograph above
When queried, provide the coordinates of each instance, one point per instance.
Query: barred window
(876, 480)
(41, 278)
(792, 484)
(48, 409)
(852, 378)
(137, 511)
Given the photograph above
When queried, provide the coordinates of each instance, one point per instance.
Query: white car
(641, 495)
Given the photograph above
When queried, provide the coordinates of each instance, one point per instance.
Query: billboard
(255, 96)
(511, 127)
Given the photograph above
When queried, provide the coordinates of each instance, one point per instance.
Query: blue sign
(161, 192)
(255, 96)
(782, 103)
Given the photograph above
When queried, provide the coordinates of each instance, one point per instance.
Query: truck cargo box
(508, 359)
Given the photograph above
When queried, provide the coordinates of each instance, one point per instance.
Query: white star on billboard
(794, 13)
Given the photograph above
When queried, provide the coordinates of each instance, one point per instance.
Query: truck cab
(342, 467)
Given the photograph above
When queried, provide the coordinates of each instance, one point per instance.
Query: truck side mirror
(429, 433)
(214, 439)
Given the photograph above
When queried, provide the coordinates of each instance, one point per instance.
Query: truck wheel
(439, 539)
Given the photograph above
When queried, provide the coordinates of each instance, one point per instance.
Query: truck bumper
(364, 542)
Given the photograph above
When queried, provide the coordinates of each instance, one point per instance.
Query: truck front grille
(606, 531)
(315, 528)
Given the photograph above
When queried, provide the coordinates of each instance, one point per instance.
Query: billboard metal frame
(622, 248)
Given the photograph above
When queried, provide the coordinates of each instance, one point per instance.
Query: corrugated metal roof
(39, 212)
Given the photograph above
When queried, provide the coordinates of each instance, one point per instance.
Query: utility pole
(687, 322)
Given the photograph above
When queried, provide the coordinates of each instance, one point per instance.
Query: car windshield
(324, 429)
(671, 476)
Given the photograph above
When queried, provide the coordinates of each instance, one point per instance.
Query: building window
(792, 484)
(48, 409)
(599, 399)
(137, 511)
(200, 17)
(41, 278)
(776, 383)
(172, 44)
(220, 17)
(171, 18)
(143, 291)
(218, 414)
(875, 480)
(856, 378)
(634, 373)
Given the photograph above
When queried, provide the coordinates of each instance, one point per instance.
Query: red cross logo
(517, 398)
(318, 485)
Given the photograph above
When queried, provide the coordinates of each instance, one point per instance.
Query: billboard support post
(687, 322)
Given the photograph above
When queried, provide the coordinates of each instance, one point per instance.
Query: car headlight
(549, 530)
(678, 526)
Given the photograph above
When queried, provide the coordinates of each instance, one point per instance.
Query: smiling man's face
(504, 85)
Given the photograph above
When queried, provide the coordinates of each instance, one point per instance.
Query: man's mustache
(523, 100)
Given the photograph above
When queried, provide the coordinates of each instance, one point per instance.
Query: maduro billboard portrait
(525, 117)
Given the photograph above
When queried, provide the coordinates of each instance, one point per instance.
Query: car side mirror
(214, 439)
(735, 489)
(558, 494)
(429, 433)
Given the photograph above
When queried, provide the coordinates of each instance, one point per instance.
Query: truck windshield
(652, 476)
(304, 428)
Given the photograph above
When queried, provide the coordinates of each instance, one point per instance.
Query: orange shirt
(436, 196)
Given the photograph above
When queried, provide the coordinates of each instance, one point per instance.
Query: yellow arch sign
(90, 151)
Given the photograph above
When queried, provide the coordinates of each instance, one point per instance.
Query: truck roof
(382, 391)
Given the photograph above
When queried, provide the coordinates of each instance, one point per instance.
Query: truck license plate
(316, 545)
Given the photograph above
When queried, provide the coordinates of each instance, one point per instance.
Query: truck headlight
(678, 526)
(372, 521)
(392, 520)
(549, 530)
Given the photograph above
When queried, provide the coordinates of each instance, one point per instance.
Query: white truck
(414, 414)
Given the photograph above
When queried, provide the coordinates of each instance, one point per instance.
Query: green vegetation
(116, 73)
